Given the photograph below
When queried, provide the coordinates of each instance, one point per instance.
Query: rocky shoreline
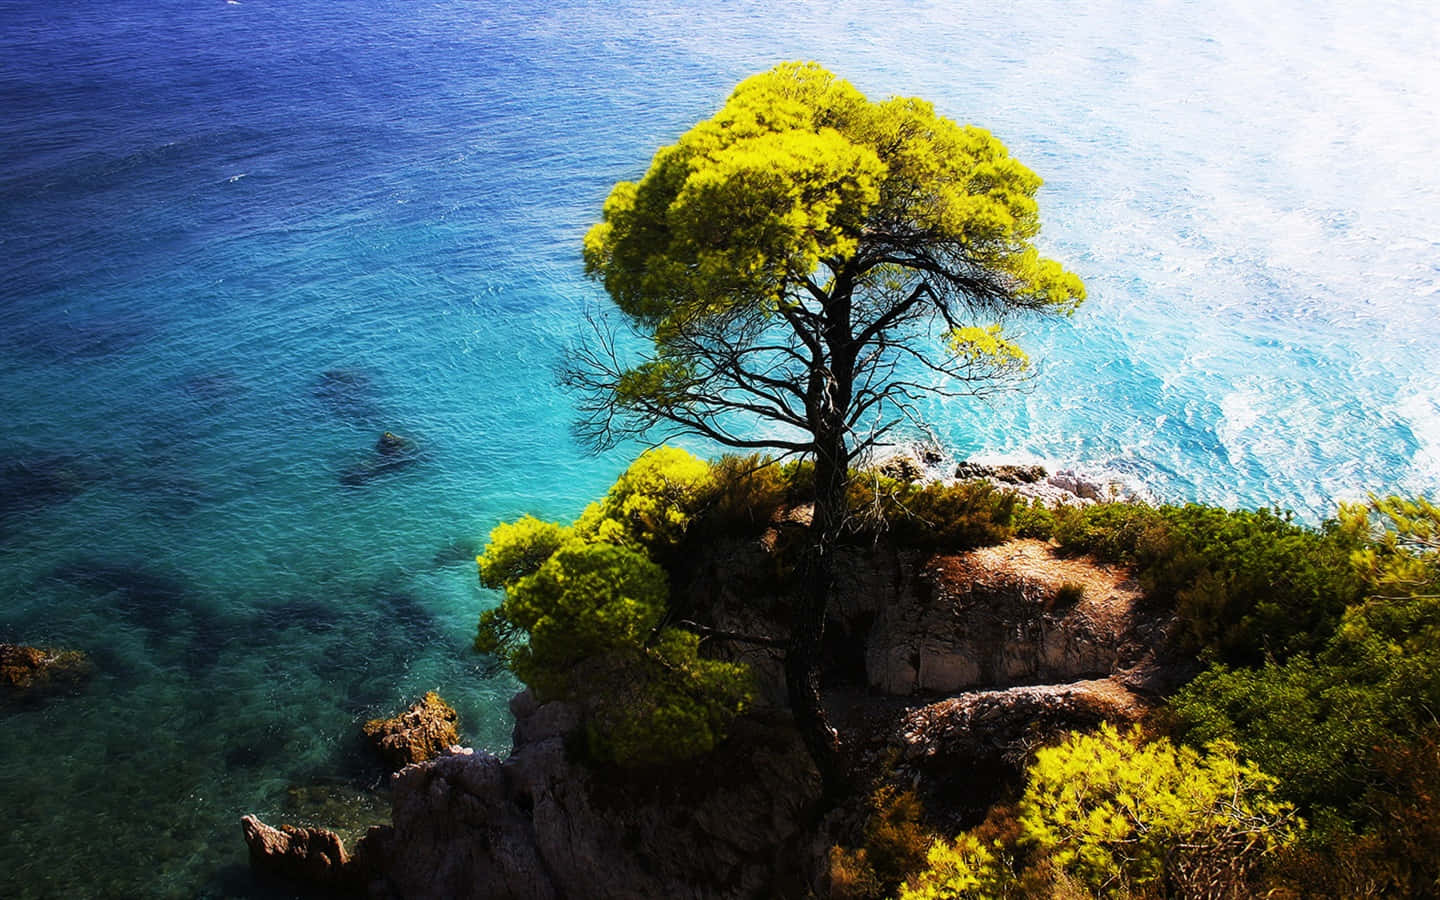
(1068, 485)
(961, 663)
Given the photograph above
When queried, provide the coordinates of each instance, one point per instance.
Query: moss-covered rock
(32, 672)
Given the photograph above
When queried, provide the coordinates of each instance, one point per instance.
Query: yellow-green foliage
(793, 179)
(792, 171)
(519, 548)
(580, 619)
(1111, 815)
(966, 868)
(1117, 812)
(652, 502)
(988, 348)
(748, 491)
(1402, 555)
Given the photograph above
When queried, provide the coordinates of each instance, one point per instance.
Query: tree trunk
(807, 631)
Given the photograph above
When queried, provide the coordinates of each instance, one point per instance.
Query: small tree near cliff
(805, 266)
(583, 617)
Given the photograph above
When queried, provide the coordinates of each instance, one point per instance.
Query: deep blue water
(240, 240)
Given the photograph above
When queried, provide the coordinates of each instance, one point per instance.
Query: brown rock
(1005, 615)
(424, 731)
(1005, 474)
(27, 672)
(312, 856)
(902, 468)
(963, 751)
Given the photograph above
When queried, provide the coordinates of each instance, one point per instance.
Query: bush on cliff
(582, 617)
(1350, 730)
(952, 517)
(1112, 815)
(1247, 585)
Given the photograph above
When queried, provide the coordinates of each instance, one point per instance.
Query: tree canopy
(805, 266)
(806, 231)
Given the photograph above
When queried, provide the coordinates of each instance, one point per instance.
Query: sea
(242, 239)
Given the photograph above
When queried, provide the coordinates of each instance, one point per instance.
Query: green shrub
(585, 600)
(1315, 722)
(517, 549)
(958, 516)
(1111, 815)
(660, 702)
(963, 869)
(1111, 532)
(1033, 520)
(748, 491)
(652, 502)
(1116, 812)
(1245, 584)
(582, 611)
(895, 845)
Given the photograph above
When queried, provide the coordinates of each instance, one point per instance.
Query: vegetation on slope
(1300, 761)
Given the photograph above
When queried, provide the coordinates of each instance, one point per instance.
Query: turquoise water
(238, 241)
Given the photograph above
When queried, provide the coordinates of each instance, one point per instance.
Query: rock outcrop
(542, 824)
(1012, 614)
(960, 752)
(310, 856)
(424, 731)
(956, 666)
(911, 623)
(28, 673)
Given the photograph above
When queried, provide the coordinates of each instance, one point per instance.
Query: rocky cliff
(544, 824)
(951, 667)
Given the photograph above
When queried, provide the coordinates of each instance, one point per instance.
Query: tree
(583, 617)
(812, 263)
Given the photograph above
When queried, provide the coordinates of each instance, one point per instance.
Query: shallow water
(238, 241)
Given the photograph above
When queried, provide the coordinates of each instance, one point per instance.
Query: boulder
(962, 752)
(1004, 474)
(902, 468)
(310, 856)
(391, 444)
(424, 731)
(33, 672)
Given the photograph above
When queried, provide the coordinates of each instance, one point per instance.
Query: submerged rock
(461, 550)
(31, 672)
(32, 482)
(349, 394)
(391, 444)
(424, 731)
(393, 453)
